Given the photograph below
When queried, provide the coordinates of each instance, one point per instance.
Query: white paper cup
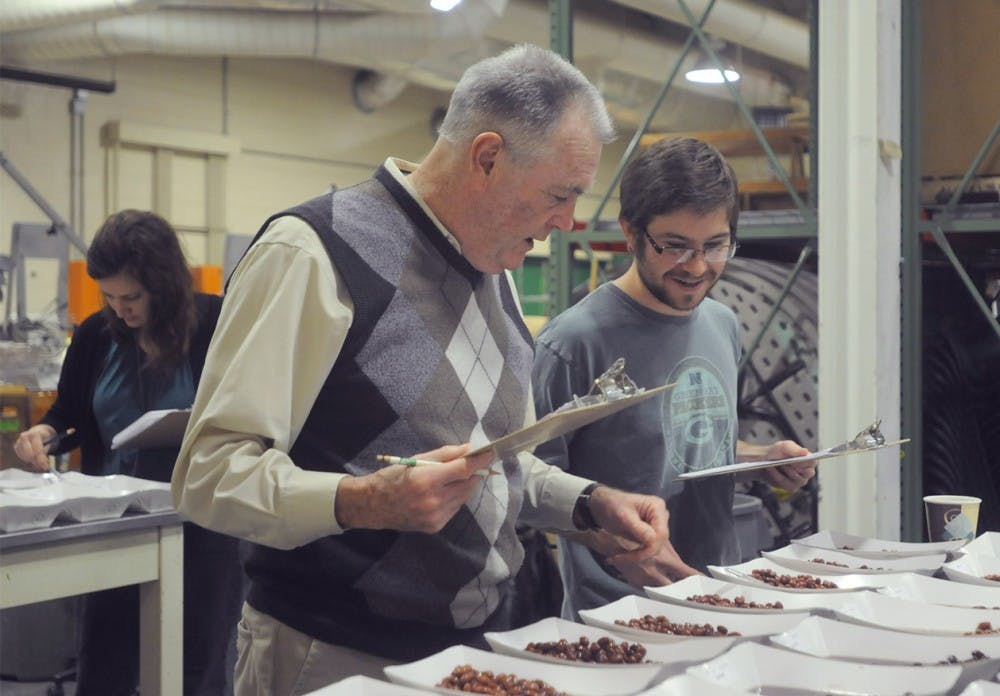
(951, 517)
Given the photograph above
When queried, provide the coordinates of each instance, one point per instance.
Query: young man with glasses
(679, 208)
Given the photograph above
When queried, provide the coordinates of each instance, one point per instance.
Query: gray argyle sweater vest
(437, 354)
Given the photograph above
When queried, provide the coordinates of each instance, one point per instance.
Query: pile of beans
(952, 660)
(739, 602)
(984, 627)
(471, 681)
(799, 582)
(994, 578)
(604, 650)
(661, 624)
(843, 565)
(833, 563)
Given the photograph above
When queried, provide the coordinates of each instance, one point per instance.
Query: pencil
(59, 437)
(411, 462)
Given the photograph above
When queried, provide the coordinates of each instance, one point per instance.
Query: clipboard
(868, 440)
(162, 428)
(613, 392)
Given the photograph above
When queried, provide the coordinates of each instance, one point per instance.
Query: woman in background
(143, 351)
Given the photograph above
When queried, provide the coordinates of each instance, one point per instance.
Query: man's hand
(791, 477)
(639, 521)
(664, 568)
(31, 449)
(412, 499)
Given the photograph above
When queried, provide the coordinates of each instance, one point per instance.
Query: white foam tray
(554, 629)
(678, 593)
(869, 547)
(809, 560)
(973, 568)
(749, 626)
(612, 680)
(875, 609)
(921, 588)
(845, 583)
(762, 669)
(839, 640)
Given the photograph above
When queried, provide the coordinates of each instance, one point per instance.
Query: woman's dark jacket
(74, 404)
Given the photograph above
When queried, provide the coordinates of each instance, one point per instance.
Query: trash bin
(751, 526)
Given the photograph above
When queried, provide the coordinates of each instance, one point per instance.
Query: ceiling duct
(397, 39)
(753, 26)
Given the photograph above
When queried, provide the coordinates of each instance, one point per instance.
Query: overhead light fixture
(711, 76)
(706, 71)
(445, 5)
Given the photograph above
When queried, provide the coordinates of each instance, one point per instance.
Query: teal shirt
(123, 393)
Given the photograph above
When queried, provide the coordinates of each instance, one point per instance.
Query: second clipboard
(751, 466)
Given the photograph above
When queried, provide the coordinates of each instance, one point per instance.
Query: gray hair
(678, 174)
(522, 94)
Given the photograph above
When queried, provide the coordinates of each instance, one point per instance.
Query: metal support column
(912, 465)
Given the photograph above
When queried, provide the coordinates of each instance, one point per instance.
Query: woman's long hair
(144, 246)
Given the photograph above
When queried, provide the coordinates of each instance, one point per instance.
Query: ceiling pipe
(758, 28)
(372, 90)
(598, 48)
(16, 15)
(431, 49)
(359, 40)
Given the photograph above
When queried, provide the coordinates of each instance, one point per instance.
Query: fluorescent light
(711, 76)
(445, 5)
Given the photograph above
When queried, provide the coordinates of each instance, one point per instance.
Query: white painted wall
(295, 122)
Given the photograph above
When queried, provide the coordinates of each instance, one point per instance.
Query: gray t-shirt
(643, 448)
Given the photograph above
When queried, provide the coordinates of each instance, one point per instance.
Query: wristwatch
(583, 518)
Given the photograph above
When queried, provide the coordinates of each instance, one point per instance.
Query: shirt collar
(400, 169)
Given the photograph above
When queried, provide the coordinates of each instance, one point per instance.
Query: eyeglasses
(678, 253)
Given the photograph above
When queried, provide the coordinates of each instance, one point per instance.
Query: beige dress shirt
(282, 325)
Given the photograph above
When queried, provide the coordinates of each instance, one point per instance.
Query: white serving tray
(12, 479)
(366, 686)
(982, 687)
(845, 583)
(144, 495)
(749, 626)
(678, 593)
(972, 568)
(76, 503)
(554, 629)
(612, 680)
(949, 593)
(762, 669)
(839, 640)
(688, 685)
(21, 513)
(874, 609)
(868, 547)
(802, 558)
(986, 544)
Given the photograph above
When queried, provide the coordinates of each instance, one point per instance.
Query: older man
(380, 320)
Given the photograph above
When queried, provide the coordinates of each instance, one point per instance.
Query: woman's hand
(31, 449)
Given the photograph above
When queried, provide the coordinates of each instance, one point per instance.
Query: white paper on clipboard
(750, 466)
(561, 422)
(162, 428)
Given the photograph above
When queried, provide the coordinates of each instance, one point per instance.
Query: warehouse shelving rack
(799, 226)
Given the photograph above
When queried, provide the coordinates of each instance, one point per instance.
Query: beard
(666, 288)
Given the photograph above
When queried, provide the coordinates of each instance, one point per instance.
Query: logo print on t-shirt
(698, 417)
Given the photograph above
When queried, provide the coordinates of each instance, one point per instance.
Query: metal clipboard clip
(613, 384)
(868, 438)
